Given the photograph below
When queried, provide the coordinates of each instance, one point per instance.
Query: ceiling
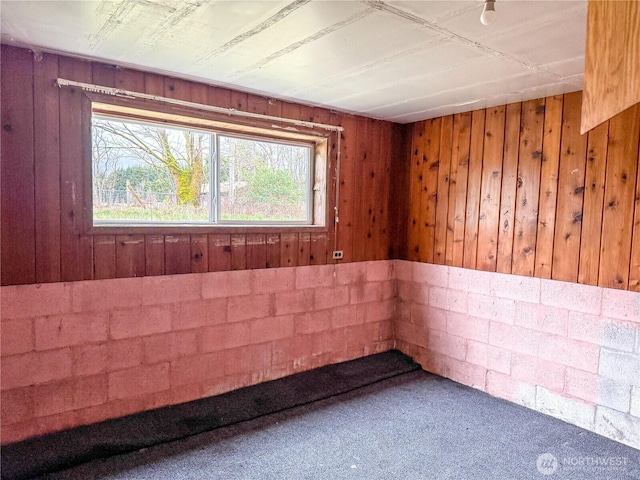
(395, 60)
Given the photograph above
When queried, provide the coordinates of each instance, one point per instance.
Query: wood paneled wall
(43, 237)
(517, 189)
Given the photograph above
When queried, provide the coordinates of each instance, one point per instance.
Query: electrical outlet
(337, 254)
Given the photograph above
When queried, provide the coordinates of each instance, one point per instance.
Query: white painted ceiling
(396, 60)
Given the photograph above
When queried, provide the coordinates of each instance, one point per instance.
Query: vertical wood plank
(128, 79)
(634, 264)
(256, 250)
(509, 187)
(573, 153)
(238, 252)
(257, 104)
(18, 209)
(360, 220)
(597, 142)
(199, 253)
(318, 247)
(289, 249)
(304, 246)
(273, 250)
(372, 191)
(46, 106)
(332, 186)
(619, 199)
(104, 256)
(428, 197)
(528, 191)
(490, 189)
(219, 97)
(76, 248)
(347, 189)
(548, 186)
(442, 198)
(384, 179)
(154, 255)
(238, 100)
(473, 189)
(398, 209)
(219, 252)
(177, 254)
(461, 150)
(415, 185)
(130, 256)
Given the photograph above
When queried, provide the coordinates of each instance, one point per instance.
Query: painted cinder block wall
(81, 352)
(567, 350)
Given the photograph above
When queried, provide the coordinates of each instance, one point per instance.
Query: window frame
(158, 112)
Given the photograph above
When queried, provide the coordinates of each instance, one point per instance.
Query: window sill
(203, 229)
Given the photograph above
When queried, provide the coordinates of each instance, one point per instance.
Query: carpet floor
(413, 425)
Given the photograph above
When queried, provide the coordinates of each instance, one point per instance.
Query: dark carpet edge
(68, 448)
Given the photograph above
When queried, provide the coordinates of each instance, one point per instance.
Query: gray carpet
(412, 426)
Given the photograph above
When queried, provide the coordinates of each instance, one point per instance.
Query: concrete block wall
(82, 352)
(568, 350)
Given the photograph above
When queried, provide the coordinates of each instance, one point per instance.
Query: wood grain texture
(619, 199)
(442, 198)
(415, 190)
(508, 191)
(130, 256)
(593, 204)
(199, 253)
(573, 152)
(219, 252)
(461, 149)
(429, 193)
(256, 251)
(490, 189)
(474, 183)
(104, 251)
(289, 250)
(612, 60)
(634, 264)
(548, 186)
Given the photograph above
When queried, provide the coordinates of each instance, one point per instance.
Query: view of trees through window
(153, 173)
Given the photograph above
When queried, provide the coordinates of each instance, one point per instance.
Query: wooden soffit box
(612, 60)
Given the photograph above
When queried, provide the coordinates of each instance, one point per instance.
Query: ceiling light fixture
(488, 12)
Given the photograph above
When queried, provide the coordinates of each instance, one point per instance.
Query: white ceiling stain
(395, 60)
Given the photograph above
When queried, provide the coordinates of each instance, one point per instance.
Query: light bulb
(488, 13)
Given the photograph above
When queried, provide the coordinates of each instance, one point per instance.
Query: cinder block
(298, 301)
(582, 385)
(572, 353)
(34, 368)
(199, 313)
(621, 304)
(70, 329)
(225, 337)
(138, 322)
(504, 386)
(428, 316)
(271, 280)
(68, 395)
(192, 370)
(515, 287)
(313, 276)
(535, 371)
(252, 306)
(389, 290)
(430, 274)
(404, 291)
(466, 373)
(248, 359)
(624, 367)
(311, 322)
(226, 284)
(169, 346)
(17, 336)
(367, 292)
(379, 271)
(403, 270)
(446, 344)
(171, 288)
(331, 297)
(622, 427)
(138, 381)
(124, 353)
(571, 296)
(419, 293)
(542, 318)
(107, 295)
(614, 394)
(328, 342)
(472, 281)
(447, 299)
(377, 312)
(25, 301)
(353, 272)
(491, 308)
(468, 327)
(270, 328)
(635, 401)
(17, 406)
(492, 358)
(514, 338)
(294, 349)
(347, 315)
(568, 409)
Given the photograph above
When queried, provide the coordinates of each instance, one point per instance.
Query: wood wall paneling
(442, 192)
(461, 149)
(415, 190)
(429, 193)
(474, 183)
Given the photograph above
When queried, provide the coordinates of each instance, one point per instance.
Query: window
(147, 170)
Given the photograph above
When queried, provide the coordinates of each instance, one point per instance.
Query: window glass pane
(145, 172)
(263, 181)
